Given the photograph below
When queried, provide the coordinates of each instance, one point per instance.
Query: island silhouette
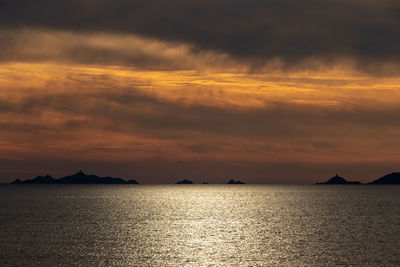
(235, 182)
(389, 179)
(185, 181)
(83, 178)
(339, 180)
(77, 178)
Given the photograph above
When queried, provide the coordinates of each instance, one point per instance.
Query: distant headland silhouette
(83, 178)
(77, 178)
(393, 178)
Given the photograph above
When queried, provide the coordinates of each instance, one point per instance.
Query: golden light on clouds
(124, 98)
(232, 89)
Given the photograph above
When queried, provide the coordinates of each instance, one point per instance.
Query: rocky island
(185, 181)
(235, 182)
(77, 178)
(338, 180)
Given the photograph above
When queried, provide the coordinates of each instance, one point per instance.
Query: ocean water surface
(199, 225)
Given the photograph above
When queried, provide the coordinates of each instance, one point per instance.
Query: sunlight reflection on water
(199, 225)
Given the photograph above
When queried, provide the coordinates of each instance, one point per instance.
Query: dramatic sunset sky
(267, 91)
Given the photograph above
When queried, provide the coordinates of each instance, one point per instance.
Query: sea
(199, 225)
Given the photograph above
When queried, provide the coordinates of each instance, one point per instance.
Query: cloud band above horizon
(229, 87)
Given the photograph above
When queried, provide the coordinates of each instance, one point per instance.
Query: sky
(265, 91)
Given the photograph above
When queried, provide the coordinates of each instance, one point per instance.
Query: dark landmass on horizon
(82, 178)
(339, 180)
(77, 178)
(185, 181)
(235, 182)
(393, 178)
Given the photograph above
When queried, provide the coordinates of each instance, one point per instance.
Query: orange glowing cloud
(114, 99)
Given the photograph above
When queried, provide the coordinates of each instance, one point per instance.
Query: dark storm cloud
(254, 30)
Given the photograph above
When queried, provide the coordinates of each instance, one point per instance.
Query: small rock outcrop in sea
(132, 182)
(338, 180)
(393, 178)
(235, 182)
(16, 181)
(185, 181)
(77, 178)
